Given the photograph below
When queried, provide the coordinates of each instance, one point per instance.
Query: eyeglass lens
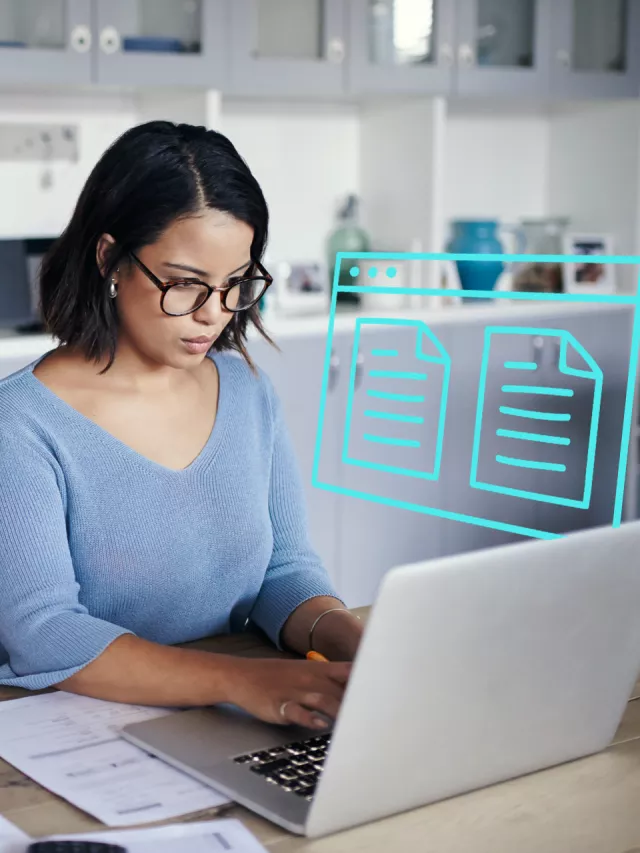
(188, 297)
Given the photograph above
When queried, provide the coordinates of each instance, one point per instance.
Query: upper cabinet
(45, 41)
(531, 48)
(595, 46)
(545, 49)
(400, 46)
(161, 42)
(287, 47)
(503, 46)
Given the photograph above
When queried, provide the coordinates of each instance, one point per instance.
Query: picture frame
(302, 287)
(588, 277)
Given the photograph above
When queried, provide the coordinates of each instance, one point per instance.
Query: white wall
(496, 166)
(594, 173)
(306, 159)
(29, 209)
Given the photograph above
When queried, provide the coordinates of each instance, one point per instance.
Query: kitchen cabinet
(296, 373)
(287, 47)
(606, 335)
(596, 48)
(503, 47)
(45, 42)
(375, 535)
(161, 42)
(401, 46)
(470, 48)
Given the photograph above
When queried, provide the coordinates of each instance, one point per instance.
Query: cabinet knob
(538, 347)
(336, 51)
(446, 56)
(359, 369)
(466, 55)
(80, 38)
(110, 41)
(334, 370)
(564, 58)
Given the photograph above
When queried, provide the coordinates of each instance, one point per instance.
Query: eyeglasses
(184, 296)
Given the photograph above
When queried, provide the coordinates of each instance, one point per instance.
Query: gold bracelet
(324, 613)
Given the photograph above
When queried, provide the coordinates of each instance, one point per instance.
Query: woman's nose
(212, 309)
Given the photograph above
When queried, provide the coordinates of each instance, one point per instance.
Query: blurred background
(468, 126)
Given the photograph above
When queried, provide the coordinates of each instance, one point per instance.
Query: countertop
(279, 327)
(586, 806)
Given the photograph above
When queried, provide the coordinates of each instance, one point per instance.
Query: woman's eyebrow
(202, 273)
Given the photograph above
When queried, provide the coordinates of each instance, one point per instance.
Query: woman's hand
(263, 687)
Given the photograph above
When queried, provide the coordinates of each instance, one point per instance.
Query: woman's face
(211, 247)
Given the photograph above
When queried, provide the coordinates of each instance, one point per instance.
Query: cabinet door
(161, 42)
(485, 423)
(596, 46)
(605, 334)
(45, 41)
(374, 534)
(503, 47)
(287, 47)
(401, 46)
(296, 373)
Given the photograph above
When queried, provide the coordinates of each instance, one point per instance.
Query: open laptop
(472, 670)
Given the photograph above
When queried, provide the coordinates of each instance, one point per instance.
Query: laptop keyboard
(294, 767)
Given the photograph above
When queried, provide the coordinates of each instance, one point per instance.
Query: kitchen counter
(586, 806)
(16, 346)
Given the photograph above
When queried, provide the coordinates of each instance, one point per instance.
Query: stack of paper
(71, 745)
(12, 839)
(214, 836)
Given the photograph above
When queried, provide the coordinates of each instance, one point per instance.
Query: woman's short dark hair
(152, 175)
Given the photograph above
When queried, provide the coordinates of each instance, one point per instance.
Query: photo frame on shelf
(302, 287)
(588, 277)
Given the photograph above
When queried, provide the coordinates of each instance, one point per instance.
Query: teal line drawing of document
(396, 405)
(533, 405)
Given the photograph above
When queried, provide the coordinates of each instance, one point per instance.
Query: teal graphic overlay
(405, 407)
(592, 377)
(392, 421)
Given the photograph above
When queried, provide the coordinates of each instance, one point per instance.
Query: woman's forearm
(138, 672)
(336, 635)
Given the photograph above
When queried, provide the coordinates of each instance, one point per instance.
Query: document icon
(530, 411)
(397, 400)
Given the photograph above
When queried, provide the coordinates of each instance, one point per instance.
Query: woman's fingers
(322, 702)
(338, 672)
(296, 714)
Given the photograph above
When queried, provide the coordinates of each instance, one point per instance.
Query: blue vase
(477, 237)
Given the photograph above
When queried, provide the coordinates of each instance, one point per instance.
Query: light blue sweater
(98, 541)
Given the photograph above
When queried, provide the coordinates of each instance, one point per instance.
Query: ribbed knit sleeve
(295, 572)
(46, 632)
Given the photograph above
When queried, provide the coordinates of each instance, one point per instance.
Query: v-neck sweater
(96, 540)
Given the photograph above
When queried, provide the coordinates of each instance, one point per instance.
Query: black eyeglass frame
(165, 287)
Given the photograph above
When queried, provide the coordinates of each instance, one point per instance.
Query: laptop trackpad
(206, 736)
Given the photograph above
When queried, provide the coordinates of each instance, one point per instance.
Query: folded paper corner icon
(392, 424)
(532, 418)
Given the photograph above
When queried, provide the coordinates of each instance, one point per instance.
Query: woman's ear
(103, 249)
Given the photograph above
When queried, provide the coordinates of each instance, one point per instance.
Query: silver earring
(113, 291)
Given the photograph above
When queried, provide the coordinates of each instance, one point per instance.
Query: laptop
(473, 669)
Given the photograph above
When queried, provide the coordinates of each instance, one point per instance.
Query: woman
(149, 490)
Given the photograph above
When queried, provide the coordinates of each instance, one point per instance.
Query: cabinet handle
(334, 370)
(359, 371)
(564, 58)
(465, 55)
(538, 348)
(336, 51)
(446, 56)
(110, 41)
(80, 38)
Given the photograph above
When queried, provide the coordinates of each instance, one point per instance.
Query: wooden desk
(587, 806)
